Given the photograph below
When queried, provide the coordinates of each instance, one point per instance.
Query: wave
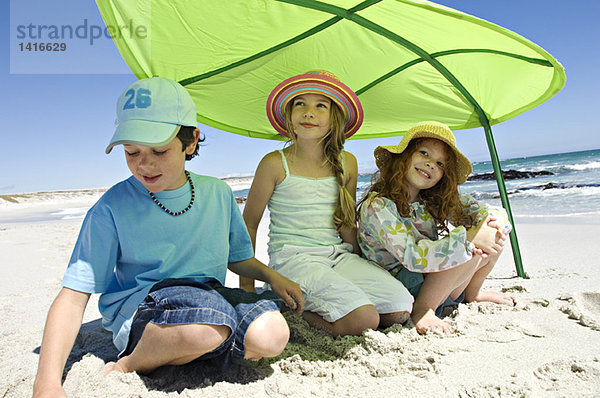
(565, 168)
(71, 213)
(583, 166)
(531, 171)
(238, 183)
(561, 215)
(567, 163)
(550, 189)
(585, 217)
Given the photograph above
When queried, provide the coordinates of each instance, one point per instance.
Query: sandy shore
(548, 345)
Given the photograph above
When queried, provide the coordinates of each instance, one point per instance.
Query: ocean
(569, 191)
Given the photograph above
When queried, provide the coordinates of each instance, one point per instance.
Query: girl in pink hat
(310, 189)
(414, 223)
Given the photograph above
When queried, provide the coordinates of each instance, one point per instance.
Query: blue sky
(58, 111)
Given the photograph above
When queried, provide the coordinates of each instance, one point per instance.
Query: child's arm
(62, 325)
(487, 237)
(284, 288)
(266, 177)
(481, 211)
(349, 234)
(492, 225)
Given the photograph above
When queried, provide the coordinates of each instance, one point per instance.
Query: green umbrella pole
(503, 196)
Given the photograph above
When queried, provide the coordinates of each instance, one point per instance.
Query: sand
(547, 345)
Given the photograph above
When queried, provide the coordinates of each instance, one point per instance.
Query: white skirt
(336, 281)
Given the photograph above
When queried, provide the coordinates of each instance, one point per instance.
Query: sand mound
(562, 377)
(584, 307)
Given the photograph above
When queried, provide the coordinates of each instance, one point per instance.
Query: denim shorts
(179, 302)
(413, 282)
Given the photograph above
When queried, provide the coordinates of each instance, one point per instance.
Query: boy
(157, 247)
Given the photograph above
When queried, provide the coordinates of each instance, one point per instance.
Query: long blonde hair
(442, 200)
(333, 145)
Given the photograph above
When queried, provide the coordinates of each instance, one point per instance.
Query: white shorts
(336, 281)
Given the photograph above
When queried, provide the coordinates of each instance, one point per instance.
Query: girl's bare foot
(495, 297)
(387, 320)
(403, 317)
(112, 367)
(426, 322)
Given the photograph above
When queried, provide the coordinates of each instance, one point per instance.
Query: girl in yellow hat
(413, 222)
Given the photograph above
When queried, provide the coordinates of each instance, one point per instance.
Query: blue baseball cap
(151, 111)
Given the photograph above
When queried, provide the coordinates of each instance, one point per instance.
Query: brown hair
(441, 201)
(333, 145)
(186, 136)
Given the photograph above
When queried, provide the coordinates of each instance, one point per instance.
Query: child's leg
(354, 323)
(391, 299)
(436, 287)
(472, 288)
(267, 336)
(387, 320)
(172, 345)
(261, 329)
(332, 302)
(175, 325)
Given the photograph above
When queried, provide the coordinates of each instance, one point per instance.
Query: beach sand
(547, 345)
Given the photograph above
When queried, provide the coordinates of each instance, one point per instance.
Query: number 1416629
(34, 46)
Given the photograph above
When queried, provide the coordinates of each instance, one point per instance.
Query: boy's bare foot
(495, 297)
(112, 367)
(426, 322)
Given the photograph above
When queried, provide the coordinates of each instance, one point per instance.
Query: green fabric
(408, 61)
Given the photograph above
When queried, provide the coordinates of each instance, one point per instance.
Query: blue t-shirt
(127, 244)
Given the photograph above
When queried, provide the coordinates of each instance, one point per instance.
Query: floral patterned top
(393, 241)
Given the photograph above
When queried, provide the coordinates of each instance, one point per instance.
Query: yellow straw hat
(430, 129)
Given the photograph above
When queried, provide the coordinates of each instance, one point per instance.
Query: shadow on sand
(311, 344)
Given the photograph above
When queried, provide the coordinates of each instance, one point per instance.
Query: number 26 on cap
(139, 99)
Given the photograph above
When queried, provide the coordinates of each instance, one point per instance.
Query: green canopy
(408, 61)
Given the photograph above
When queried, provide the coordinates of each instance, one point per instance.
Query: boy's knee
(267, 335)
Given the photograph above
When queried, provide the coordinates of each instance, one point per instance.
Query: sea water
(570, 194)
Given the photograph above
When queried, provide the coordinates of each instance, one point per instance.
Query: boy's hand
(62, 325)
(289, 292)
(284, 288)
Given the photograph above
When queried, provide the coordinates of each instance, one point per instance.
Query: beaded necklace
(187, 174)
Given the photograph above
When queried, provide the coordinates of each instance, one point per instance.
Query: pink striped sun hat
(315, 82)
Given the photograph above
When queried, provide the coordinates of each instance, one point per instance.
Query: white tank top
(302, 211)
